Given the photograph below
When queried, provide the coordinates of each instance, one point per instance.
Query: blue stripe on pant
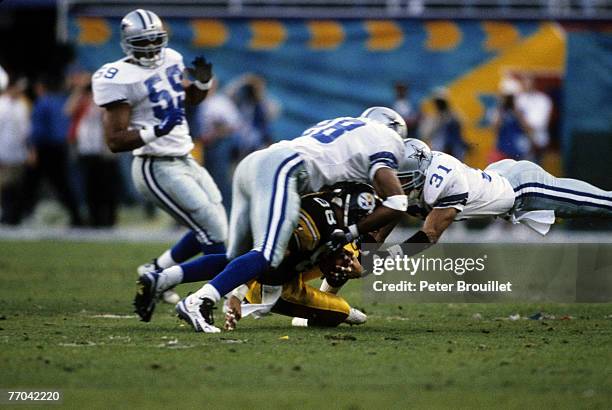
(536, 189)
(180, 214)
(282, 176)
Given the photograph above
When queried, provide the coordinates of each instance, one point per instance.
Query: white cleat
(189, 310)
(356, 317)
(299, 322)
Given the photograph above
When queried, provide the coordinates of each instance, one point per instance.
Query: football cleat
(198, 313)
(356, 317)
(148, 267)
(144, 301)
(169, 296)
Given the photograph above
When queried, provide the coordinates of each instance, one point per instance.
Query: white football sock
(169, 277)
(165, 260)
(209, 291)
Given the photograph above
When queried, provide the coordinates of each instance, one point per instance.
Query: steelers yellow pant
(302, 300)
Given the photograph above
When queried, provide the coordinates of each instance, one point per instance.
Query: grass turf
(66, 323)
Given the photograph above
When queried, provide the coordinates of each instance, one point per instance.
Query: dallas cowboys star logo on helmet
(419, 153)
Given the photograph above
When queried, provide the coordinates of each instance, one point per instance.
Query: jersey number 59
(162, 97)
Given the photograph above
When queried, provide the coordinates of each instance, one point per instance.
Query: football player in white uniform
(266, 197)
(442, 189)
(144, 95)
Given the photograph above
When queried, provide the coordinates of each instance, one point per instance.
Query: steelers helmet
(356, 199)
(143, 38)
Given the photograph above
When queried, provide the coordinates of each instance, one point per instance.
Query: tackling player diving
(442, 190)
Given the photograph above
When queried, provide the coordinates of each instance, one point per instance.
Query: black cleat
(144, 301)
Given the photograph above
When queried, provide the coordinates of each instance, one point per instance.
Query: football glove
(201, 70)
(174, 118)
(339, 238)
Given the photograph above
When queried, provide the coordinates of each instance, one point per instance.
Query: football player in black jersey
(320, 214)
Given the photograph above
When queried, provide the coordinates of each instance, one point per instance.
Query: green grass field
(66, 323)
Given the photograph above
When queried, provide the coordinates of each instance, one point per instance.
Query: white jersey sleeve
(112, 83)
(383, 149)
(446, 186)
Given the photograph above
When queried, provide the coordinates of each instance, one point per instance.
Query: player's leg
(207, 267)
(309, 305)
(188, 193)
(190, 244)
(176, 186)
(239, 240)
(537, 189)
(271, 179)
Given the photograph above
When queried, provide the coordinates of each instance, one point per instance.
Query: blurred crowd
(520, 119)
(52, 138)
(52, 143)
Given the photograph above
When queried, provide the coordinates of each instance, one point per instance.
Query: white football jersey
(152, 93)
(450, 183)
(347, 149)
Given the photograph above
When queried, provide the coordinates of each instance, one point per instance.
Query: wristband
(419, 237)
(397, 202)
(147, 134)
(240, 292)
(203, 86)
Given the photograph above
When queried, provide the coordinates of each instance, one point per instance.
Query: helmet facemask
(411, 180)
(147, 49)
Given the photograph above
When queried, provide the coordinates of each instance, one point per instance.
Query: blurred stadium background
(482, 79)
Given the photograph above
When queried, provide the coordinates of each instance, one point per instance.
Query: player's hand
(339, 238)
(174, 118)
(341, 271)
(233, 313)
(201, 70)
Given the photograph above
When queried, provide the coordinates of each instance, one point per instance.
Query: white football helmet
(387, 117)
(413, 166)
(144, 38)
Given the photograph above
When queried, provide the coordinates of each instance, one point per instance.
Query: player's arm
(388, 187)
(120, 138)
(435, 224)
(395, 202)
(202, 76)
(116, 122)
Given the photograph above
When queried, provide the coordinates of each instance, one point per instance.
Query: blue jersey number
(436, 178)
(110, 72)
(162, 98)
(328, 131)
